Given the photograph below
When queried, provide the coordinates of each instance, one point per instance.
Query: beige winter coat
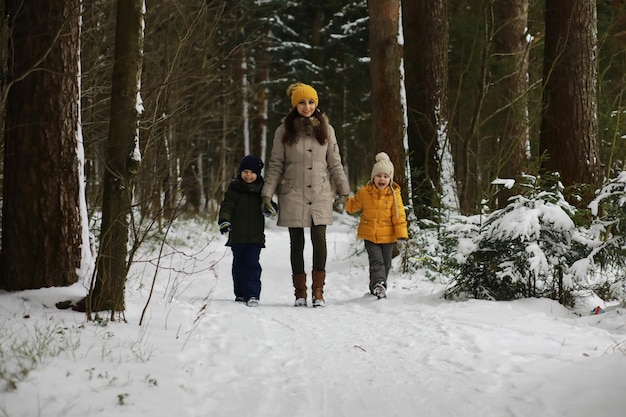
(303, 176)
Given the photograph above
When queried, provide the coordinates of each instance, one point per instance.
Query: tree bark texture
(41, 227)
(425, 60)
(569, 125)
(387, 111)
(112, 263)
(511, 49)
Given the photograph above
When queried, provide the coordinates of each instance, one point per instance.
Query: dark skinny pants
(318, 239)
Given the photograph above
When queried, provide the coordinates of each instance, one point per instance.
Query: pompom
(291, 88)
(382, 156)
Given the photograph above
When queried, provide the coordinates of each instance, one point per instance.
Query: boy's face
(381, 180)
(248, 176)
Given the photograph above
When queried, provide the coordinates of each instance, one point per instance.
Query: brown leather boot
(299, 283)
(318, 288)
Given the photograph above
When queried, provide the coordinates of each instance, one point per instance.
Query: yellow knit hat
(299, 91)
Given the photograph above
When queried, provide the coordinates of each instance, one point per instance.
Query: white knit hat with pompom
(383, 165)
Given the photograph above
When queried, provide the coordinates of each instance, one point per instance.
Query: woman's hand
(340, 203)
(267, 206)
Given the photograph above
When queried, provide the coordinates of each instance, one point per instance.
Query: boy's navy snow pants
(247, 270)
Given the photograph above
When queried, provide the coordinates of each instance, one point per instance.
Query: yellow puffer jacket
(383, 219)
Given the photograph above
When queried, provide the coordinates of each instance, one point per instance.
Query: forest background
(462, 93)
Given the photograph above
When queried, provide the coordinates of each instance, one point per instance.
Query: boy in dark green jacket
(241, 216)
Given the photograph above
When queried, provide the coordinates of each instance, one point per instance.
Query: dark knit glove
(268, 213)
(267, 206)
(340, 203)
(225, 227)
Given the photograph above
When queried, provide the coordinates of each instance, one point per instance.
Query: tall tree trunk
(262, 105)
(388, 128)
(41, 225)
(569, 125)
(511, 70)
(426, 60)
(122, 159)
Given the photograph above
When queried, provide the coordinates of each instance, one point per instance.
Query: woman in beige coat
(304, 170)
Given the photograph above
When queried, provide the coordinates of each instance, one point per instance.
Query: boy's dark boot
(318, 288)
(299, 283)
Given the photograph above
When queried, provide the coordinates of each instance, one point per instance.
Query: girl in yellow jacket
(383, 221)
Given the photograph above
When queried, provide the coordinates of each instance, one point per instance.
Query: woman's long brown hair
(320, 126)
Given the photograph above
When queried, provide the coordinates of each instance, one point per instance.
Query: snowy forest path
(360, 353)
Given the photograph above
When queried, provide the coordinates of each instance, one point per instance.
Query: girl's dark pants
(379, 255)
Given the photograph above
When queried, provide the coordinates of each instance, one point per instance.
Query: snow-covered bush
(609, 228)
(527, 249)
(432, 247)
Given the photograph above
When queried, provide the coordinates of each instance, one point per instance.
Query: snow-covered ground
(198, 353)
